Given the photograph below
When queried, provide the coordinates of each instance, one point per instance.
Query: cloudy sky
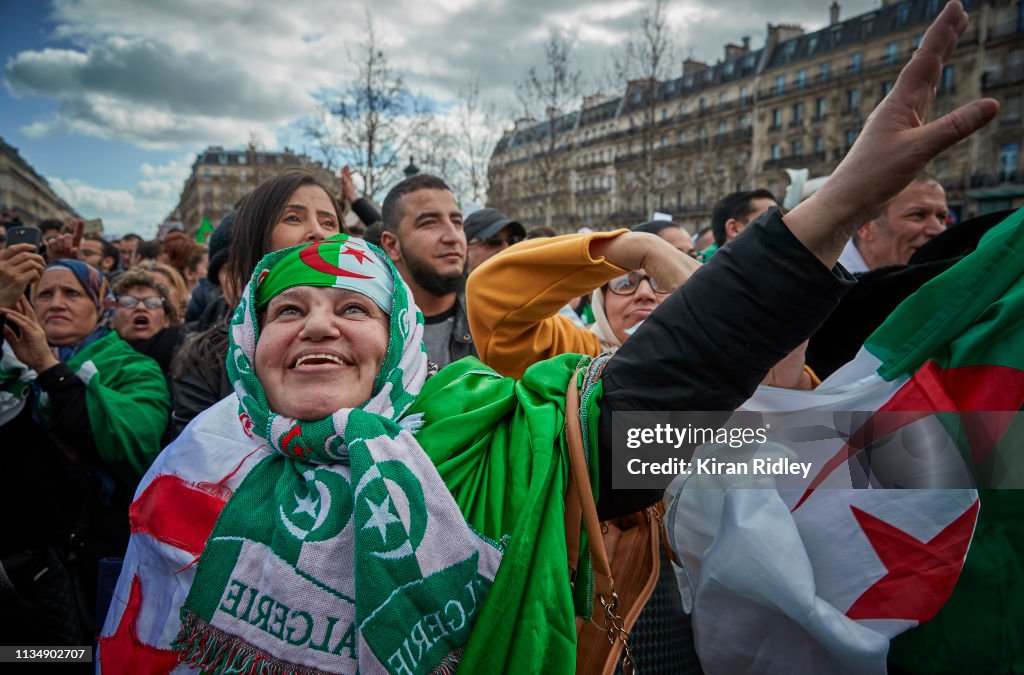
(111, 99)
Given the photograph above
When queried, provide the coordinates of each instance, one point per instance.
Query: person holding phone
(81, 416)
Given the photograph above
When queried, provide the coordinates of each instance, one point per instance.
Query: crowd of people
(365, 465)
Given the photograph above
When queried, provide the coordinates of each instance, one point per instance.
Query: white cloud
(164, 73)
(138, 209)
(89, 199)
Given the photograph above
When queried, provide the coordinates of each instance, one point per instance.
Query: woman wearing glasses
(146, 318)
(514, 299)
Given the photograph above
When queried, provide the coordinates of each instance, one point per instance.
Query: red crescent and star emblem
(294, 438)
(359, 254)
(311, 256)
(247, 424)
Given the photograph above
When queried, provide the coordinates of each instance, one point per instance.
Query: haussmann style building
(797, 102)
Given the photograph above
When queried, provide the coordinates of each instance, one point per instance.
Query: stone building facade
(26, 194)
(797, 102)
(220, 178)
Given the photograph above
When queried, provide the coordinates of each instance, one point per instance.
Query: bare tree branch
(369, 123)
(645, 60)
(547, 94)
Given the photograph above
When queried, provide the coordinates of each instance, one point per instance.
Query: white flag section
(813, 580)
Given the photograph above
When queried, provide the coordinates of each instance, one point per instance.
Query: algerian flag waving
(204, 231)
(821, 579)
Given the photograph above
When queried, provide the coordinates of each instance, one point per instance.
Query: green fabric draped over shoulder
(499, 444)
(127, 401)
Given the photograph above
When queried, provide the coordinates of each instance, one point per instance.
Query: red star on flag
(919, 575)
(124, 652)
(359, 254)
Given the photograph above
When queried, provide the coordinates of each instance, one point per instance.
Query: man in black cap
(489, 232)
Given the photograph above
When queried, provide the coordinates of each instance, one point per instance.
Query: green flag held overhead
(204, 231)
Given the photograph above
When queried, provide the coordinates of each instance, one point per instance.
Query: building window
(812, 43)
(856, 63)
(886, 88)
(744, 93)
(700, 195)
(1020, 17)
(819, 108)
(819, 145)
(780, 84)
(801, 78)
(743, 122)
(933, 7)
(798, 148)
(948, 83)
(851, 136)
(852, 99)
(1008, 156)
(222, 158)
(1011, 109)
(824, 71)
(679, 200)
(798, 113)
(903, 13)
(776, 151)
(721, 128)
(892, 53)
(664, 114)
(776, 118)
(681, 138)
(701, 134)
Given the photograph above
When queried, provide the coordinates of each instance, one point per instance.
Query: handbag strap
(583, 495)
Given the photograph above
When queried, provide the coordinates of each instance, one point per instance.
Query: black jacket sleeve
(708, 345)
(70, 422)
(366, 211)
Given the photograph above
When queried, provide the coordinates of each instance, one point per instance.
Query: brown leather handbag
(623, 553)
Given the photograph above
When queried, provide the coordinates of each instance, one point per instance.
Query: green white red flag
(821, 579)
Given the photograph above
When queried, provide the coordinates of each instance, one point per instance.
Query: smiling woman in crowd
(81, 415)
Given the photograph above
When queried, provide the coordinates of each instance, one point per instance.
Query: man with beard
(423, 236)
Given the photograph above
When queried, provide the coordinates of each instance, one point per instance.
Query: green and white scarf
(343, 551)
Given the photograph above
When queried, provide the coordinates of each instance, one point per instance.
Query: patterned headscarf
(96, 287)
(356, 266)
(353, 523)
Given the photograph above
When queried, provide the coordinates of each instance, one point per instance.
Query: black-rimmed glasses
(628, 284)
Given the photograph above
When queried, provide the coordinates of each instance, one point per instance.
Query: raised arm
(514, 298)
(893, 148)
(710, 344)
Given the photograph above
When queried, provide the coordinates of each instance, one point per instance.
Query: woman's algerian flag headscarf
(347, 520)
(338, 262)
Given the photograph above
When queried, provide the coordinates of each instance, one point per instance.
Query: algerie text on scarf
(343, 551)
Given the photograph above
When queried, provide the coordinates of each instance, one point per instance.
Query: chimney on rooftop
(833, 13)
(692, 66)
